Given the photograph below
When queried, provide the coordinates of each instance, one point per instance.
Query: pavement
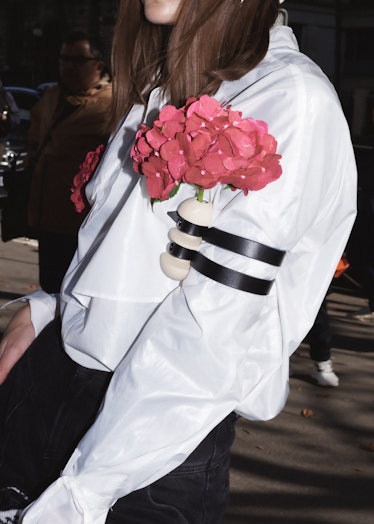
(314, 463)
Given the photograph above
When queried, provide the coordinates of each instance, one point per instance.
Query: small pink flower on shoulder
(81, 179)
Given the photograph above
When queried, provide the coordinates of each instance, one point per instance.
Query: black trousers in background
(319, 337)
(47, 404)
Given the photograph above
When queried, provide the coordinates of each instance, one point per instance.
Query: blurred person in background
(361, 244)
(70, 120)
(319, 339)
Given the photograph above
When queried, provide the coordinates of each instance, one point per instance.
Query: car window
(24, 101)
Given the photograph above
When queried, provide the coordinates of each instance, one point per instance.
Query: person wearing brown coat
(70, 120)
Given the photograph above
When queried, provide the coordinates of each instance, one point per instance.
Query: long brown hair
(210, 41)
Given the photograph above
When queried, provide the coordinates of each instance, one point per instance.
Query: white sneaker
(324, 374)
(12, 500)
(10, 516)
(366, 316)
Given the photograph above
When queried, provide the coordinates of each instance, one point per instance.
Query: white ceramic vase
(199, 213)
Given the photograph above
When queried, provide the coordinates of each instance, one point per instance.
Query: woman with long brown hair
(220, 209)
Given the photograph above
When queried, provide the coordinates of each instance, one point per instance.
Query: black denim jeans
(196, 492)
(47, 404)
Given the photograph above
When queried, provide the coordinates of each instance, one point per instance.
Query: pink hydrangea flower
(81, 179)
(205, 144)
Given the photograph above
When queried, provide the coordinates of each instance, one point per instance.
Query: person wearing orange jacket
(70, 119)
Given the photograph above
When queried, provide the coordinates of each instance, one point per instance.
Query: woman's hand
(18, 336)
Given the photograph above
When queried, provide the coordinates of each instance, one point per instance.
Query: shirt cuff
(44, 308)
(62, 503)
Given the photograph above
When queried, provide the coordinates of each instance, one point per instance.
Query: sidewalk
(314, 463)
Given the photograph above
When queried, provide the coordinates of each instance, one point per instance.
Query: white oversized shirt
(199, 349)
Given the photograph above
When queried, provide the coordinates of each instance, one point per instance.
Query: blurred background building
(337, 34)
(31, 34)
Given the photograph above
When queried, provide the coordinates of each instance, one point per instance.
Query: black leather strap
(180, 252)
(244, 246)
(230, 277)
(187, 227)
(234, 243)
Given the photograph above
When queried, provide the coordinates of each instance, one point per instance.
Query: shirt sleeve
(210, 349)
(44, 308)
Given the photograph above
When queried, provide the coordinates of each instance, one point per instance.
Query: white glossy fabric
(199, 350)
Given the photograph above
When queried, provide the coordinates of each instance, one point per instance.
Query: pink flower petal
(200, 177)
(242, 143)
(155, 139)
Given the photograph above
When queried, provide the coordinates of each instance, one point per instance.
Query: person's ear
(100, 66)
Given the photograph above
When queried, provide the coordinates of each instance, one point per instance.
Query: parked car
(44, 86)
(13, 149)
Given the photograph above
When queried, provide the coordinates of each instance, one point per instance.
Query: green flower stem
(200, 194)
